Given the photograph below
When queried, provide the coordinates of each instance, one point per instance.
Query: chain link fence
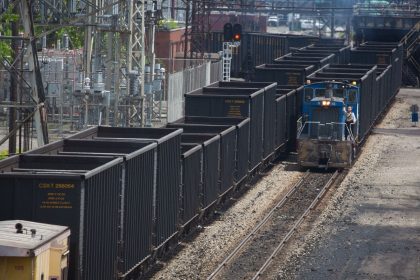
(188, 80)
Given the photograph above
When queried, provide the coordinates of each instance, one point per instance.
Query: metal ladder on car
(227, 59)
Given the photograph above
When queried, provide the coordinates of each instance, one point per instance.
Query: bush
(4, 154)
(168, 24)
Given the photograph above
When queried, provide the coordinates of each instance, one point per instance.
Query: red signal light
(237, 32)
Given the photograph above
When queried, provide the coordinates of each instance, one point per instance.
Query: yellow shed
(33, 251)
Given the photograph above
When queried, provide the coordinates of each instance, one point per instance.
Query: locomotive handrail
(350, 131)
(303, 125)
(300, 125)
(340, 136)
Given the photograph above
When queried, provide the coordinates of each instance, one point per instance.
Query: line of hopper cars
(330, 84)
(126, 192)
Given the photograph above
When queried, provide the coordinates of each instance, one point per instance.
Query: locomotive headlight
(326, 103)
(354, 83)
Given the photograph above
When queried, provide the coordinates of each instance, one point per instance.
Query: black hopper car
(126, 193)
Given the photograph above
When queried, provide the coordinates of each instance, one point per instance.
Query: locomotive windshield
(352, 95)
(339, 92)
(331, 90)
(324, 110)
(329, 93)
(309, 92)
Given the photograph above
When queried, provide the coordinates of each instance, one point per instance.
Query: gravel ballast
(370, 228)
(202, 255)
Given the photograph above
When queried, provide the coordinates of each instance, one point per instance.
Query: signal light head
(227, 32)
(237, 32)
(232, 32)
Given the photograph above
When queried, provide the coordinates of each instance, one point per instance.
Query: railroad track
(254, 254)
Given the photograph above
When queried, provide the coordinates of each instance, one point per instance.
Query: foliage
(76, 36)
(3, 154)
(168, 24)
(6, 18)
(5, 49)
(9, 16)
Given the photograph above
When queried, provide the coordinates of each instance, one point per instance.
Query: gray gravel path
(371, 227)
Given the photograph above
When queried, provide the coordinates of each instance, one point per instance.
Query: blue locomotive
(326, 137)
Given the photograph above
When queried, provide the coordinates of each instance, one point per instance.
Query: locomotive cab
(324, 139)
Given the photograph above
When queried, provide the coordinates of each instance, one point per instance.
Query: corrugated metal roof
(25, 244)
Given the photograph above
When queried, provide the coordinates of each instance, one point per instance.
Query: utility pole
(173, 10)
(135, 50)
(333, 18)
(149, 75)
(35, 80)
(187, 31)
(13, 86)
(88, 44)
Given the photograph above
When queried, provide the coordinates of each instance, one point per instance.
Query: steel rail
(297, 223)
(261, 224)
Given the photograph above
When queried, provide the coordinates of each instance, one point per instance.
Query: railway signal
(237, 32)
(228, 32)
(232, 35)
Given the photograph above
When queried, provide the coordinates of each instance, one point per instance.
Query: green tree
(76, 36)
(6, 18)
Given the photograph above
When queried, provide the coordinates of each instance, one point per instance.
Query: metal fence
(188, 80)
